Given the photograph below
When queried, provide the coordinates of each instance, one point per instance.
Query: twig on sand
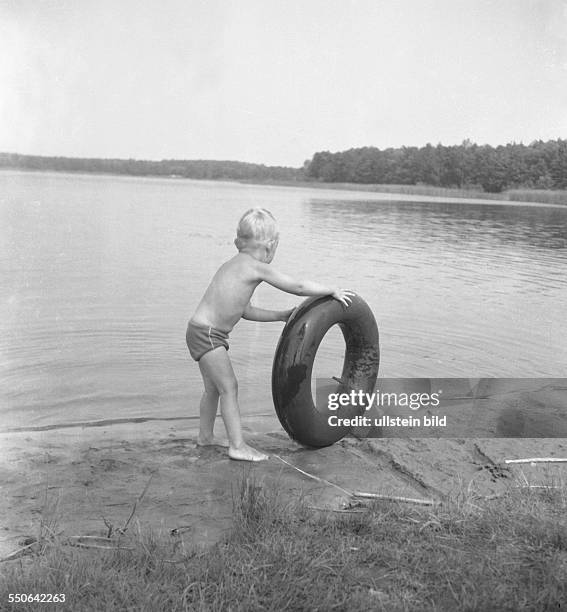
(122, 530)
(140, 497)
(408, 500)
(20, 552)
(80, 541)
(104, 543)
(339, 510)
(361, 494)
(529, 486)
(537, 460)
(524, 478)
(331, 484)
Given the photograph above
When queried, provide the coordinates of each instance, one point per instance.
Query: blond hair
(257, 226)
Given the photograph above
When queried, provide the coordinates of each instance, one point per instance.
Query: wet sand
(91, 477)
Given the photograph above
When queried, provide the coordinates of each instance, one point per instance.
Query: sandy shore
(90, 477)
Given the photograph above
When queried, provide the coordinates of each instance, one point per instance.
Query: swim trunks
(201, 339)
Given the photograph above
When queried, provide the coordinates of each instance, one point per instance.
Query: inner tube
(301, 418)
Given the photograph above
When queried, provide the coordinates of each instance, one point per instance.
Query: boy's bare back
(227, 298)
(229, 293)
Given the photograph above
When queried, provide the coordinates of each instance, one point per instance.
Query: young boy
(226, 300)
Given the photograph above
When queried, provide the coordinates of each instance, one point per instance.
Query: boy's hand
(343, 296)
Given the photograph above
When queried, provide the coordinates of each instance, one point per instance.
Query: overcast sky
(273, 81)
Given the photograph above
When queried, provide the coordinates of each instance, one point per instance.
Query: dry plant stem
(539, 487)
(537, 460)
(346, 511)
(123, 530)
(331, 484)
(19, 552)
(79, 544)
(410, 500)
(69, 541)
(79, 538)
(525, 478)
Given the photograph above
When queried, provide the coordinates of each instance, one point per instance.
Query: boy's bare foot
(246, 453)
(212, 441)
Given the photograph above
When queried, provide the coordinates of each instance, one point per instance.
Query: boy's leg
(217, 368)
(207, 414)
(217, 371)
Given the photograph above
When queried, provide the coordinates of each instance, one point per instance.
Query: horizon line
(465, 141)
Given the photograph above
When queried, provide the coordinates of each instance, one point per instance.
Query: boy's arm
(299, 287)
(252, 313)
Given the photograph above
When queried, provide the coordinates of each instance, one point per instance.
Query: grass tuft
(507, 553)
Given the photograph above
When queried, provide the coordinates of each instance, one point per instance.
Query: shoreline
(528, 197)
(93, 474)
(430, 192)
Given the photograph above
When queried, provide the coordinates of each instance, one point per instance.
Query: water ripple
(100, 275)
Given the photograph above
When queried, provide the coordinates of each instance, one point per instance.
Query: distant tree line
(194, 169)
(539, 165)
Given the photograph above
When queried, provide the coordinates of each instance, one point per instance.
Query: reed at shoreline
(541, 196)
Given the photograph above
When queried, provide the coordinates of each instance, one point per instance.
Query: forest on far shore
(539, 165)
(194, 169)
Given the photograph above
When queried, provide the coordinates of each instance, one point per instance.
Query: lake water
(99, 275)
